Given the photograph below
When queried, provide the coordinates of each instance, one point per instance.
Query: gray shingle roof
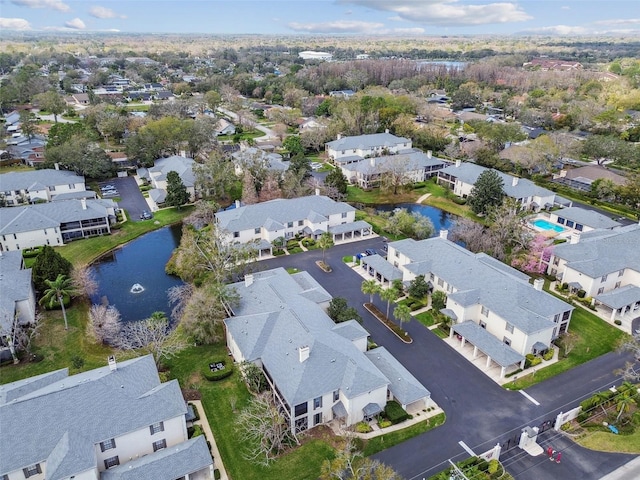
(281, 211)
(38, 179)
(383, 267)
(350, 227)
(90, 407)
(601, 252)
(274, 320)
(172, 462)
(367, 141)
(469, 173)
(620, 297)
(15, 285)
(183, 166)
(480, 279)
(410, 160)
(499, 352)
(404, 386)
(587, 217)
(48, 215)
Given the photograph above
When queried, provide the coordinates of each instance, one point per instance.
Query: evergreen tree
(47, 266)
(177, 194)
(335, 178)
(487, 192)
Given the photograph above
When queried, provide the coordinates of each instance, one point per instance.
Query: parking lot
(131, 198)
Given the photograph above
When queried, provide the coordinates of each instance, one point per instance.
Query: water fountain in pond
(137, 288)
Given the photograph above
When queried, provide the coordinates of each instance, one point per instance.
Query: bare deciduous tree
(84, 281)
(264, 429)
(350, 464)
(631, 344)
(105, 323)
(152, 335)
(179, 296)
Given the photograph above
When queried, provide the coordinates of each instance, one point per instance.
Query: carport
(349, 231)
(380, 269)
(483, 341)
(620, 300)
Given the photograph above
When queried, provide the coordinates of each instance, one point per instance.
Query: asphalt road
(131, 198)
(479, 412)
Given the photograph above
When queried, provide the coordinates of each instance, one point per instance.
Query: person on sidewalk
(558, 457)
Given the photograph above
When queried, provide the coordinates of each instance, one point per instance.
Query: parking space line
(529, 397)
(467, 448)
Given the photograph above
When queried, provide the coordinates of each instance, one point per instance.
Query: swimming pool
(545, 225)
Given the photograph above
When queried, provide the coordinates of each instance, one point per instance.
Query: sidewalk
(625, 472)
(204, 423)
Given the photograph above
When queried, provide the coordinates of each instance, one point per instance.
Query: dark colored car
(370, 251)
(146, 215)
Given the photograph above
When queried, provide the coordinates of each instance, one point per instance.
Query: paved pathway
(204, 423)
(423, 198)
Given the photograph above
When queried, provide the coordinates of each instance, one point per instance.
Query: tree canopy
(47, 266)
(177, 194)
(488, 191)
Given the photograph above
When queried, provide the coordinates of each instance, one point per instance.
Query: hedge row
(218, 374)
(394, 412)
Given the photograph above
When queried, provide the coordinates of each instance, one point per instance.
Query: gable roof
(74, 413)
(601, 252)
(410, 160)
(590, 218)
(480, 279)
(15, 285)
(274, 320)
(274, 214)
(183, 166)
(365, 142)
(38, 179)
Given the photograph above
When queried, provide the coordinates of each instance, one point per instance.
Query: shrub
(548, 355)
(195, 412)
(216, 474)
(363, 427)
(196, 431)
(218, 374)
(564, 286)
(536, 361)
(617, 321)
(384, 423)
(581, 293)
(395, 413)
(77, 361)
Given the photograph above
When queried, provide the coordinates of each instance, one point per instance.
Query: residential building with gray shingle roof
(494, 296)
(602, 263)
(309, 216)
(462, 176)
(58, 426)
(317, 369)
(39, 185)
(17, 299)
(157, 175)
(54, 223)
(581, 219)
(364, 146)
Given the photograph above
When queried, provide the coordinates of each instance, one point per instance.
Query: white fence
(564, 417)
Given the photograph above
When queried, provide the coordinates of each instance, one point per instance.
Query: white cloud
(14, 24)
(565, 7)
(53, 4)
(448, 12)
(619, 21)
(339, 26)
(560, 30)
(75, 24)
(104, 12)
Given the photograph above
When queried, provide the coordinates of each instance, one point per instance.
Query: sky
(326, 17)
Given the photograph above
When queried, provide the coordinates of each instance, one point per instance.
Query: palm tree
(325, 241)
(624, 401)
(389, 295)
(370, 287)
(402, 313)
(59, 288)
(602, 400)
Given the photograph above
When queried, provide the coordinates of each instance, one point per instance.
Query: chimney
(304, 352)
(538, 283)
(444, 234)
(575, 238)
(83, 202)
(237, 203)
(386, 130)
(429, 153)
(458, 163)
(112, 363)
(183, 153)
(514, 181)
(248, 279)
(317, 192)
(339, 136)
(372, 161)
(56, 166)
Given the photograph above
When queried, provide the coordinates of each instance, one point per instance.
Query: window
(317, 402)
(300, 223)
(257, 230)
(317, 418)
(336, 395)
(440, 282)
(561, 220)
(4, 477)
(570, 223)
(156, 428)
(236, 234)
(344, 214)
(604, 278)
(509, 327)
(483, 325)
(160, 444)
(620, 273)
(300, 409)
(565, 315)
(556, 261)
(108, 444)
(111, 462)
(431, 276)
(617, 285)
(506, 341)
(32, 470)
(485, 311)
(556, 318)
(301, 424)
(397, 253)
(290, 225)
(600, 290)
(579, 227)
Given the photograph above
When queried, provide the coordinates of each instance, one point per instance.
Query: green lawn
(597, 337)
(222, 400)
(425, 318)
(83, 252)
(377, 444)
(609, 442)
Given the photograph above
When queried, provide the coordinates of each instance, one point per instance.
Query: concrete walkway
(204, 423)
(625, 472)
(423, 198)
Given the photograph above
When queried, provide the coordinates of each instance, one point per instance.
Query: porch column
(463, 342)
(488, 362)
(613, 314)
(522, 364)
(475, 351)
(451, 333)
(502, 369)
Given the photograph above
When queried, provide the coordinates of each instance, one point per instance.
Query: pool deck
(549, 233)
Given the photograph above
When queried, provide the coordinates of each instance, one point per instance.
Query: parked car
(146, 215)
(107, 187)
(110, 193)
(370, 251)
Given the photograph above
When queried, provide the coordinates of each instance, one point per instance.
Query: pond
(132, 277)
(441, 220)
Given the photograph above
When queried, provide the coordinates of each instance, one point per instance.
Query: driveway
(479, 412)
(131, 198)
